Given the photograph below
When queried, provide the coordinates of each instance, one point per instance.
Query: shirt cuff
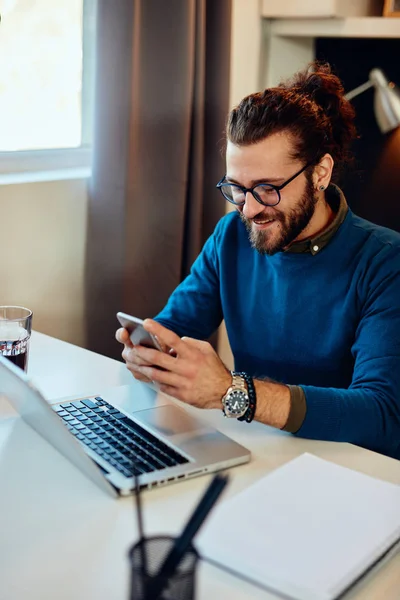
(298, 409)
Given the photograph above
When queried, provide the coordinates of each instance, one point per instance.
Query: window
(46, 82)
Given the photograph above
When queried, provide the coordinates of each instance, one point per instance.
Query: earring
(322, 187)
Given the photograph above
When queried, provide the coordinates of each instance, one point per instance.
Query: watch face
(236, 403)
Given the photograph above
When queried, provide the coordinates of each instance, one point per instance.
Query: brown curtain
(162, 85)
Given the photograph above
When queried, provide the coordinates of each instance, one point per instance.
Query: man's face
(270, 161)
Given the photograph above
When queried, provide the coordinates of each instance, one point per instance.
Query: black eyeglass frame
(244, 190)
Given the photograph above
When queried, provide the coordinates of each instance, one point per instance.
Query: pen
(143, 569)
(182, 543)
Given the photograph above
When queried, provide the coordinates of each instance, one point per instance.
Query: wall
(245, 78)
(43, 233)
(372, 184)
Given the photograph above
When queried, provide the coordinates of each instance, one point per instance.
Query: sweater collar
(337, 202)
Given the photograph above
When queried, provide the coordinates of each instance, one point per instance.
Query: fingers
(165, 336)
(163, 377)
(137, 374)
(133, 357)
(167, 362)
(122, 336)
(163, 346)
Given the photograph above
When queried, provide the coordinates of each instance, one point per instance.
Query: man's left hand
(192, 371)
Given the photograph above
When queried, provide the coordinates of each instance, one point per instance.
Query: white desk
(62, 538)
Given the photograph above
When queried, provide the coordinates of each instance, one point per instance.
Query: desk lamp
(386, 100)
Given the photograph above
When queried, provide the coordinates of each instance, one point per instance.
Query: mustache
(277, 216)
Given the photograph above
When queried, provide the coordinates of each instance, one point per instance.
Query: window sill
(44, 176)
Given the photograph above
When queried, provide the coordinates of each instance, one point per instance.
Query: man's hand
(130, 356)
(191, 371)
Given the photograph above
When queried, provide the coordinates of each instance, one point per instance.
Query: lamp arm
(359, 90)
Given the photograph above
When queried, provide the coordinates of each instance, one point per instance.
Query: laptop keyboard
(127, 446)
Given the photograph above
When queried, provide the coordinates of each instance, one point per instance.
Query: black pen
(182, 543)
(143, 569)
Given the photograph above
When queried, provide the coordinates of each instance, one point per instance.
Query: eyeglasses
(265, 193)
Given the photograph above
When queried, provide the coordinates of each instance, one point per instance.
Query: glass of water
(15, 333)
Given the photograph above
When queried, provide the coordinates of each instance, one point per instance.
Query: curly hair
(311, 106)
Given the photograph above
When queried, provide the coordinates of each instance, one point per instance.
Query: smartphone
(137, 333)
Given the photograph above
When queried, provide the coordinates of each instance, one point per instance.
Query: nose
(251, 207)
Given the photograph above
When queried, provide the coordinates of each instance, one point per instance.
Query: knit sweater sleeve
(368, 412)
(194, 308)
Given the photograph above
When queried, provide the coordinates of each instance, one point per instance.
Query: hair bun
(322, 86)
(326, 91)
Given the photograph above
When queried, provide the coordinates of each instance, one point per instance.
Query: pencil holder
(181, 586)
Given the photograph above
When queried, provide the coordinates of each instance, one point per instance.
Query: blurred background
(112, 126)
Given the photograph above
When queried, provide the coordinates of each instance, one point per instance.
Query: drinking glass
(15, 333)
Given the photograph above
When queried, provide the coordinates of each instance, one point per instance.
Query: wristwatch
(236, 400)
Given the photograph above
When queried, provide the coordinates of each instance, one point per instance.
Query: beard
(290, 224)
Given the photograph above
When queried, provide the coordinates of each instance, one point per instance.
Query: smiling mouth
(263, 223)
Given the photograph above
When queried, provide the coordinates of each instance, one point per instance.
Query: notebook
(307, 530)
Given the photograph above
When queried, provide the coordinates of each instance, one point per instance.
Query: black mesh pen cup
(181, 586)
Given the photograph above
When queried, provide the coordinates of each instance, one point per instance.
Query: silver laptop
(130, 430)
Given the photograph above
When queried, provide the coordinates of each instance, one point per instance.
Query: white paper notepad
(307, 530)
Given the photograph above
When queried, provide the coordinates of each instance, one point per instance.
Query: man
(310, 293)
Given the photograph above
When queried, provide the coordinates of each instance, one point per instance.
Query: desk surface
(61, 537)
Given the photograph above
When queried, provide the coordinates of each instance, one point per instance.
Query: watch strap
(238, 381)
(251, 391)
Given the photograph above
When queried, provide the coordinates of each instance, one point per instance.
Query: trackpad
(171, 421)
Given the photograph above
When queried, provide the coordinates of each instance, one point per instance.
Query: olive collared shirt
(337, 202)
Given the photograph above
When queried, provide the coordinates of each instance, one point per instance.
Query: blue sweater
(329, 322)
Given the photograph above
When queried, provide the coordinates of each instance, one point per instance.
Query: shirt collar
(337, 202)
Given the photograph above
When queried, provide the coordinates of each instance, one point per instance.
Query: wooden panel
(321, 8)
(363, 27)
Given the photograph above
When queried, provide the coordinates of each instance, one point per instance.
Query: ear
(323, 173)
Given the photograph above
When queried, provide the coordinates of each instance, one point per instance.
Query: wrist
(221, 389)
(273, 404)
